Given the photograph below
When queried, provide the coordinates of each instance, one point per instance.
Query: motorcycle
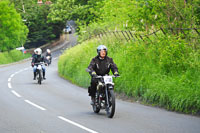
(39, 71)
(105, 97)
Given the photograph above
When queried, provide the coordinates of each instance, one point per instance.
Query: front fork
(107, 100)
(107, 88)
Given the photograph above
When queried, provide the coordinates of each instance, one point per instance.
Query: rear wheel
(111, 109)
(96, 109)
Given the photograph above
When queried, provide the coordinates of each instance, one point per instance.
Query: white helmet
(35, 51)
(102, 47)
(48, 51)
(38, 51)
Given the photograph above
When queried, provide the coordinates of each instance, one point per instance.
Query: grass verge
(12, 56)
(163, 72)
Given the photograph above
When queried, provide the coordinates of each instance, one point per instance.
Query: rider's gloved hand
(116, 74)
(94, 74)
(32, 64)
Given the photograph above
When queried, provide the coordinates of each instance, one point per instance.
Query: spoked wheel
(111, 109)
(39, 78)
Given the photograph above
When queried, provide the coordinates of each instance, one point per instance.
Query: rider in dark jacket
(37, 58)
(48, 56)
(100, 65)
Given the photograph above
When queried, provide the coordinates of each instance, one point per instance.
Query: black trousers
(93, 87)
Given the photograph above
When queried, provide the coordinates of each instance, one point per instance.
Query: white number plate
(108, 79)
(39, 67)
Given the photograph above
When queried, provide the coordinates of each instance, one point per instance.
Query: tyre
(96, 109)
(111, 109)
(40, 78)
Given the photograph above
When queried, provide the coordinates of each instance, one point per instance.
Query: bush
(164, 72)
(12, 56)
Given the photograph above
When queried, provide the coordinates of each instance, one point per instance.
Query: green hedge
(164, 72)
(12, 56)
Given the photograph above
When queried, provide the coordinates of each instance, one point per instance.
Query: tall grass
(12, 56)
(163, 72)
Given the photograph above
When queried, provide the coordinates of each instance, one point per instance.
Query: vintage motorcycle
(39, 72)
(104, 97)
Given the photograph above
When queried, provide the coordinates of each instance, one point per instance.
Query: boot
(92, 100)
(34, 73)
(44, 75)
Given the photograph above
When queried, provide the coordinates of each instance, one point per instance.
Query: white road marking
(9, 79)
(35, 105)
(76, 124)
(12, 75)
(15, 93)
(9, 85)
(16, 72)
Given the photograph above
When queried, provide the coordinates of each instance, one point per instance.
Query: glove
(116, 74)
(32, 64)
(94, 74)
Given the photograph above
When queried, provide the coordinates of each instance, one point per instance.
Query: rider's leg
(34, 72)
(50, 59)
(92, 89)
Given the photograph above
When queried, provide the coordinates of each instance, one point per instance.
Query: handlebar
(106, 75)
(39, 63)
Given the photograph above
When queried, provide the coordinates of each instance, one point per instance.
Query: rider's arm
(33, 59)
(92, 65)
(113, 66)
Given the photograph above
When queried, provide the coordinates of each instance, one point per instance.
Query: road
(57, 106)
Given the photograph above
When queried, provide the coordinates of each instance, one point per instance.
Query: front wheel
(111, 109)
(40, 77)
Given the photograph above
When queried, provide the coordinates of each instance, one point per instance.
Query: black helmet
(101, 47)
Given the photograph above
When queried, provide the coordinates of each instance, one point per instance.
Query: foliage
(12, 56)
(164, 72)
(94, 16)
(83, 12)
(41, 29)
(12, 30)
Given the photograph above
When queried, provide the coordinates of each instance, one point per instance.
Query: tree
(42, 30)
(35, 17)
(79, 10)
(13, 32)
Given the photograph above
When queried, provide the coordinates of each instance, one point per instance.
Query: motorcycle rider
(34, 53)
(100, 65)
(37, 58)
(48, 56)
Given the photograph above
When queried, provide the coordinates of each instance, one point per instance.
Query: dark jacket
(48, 54)
(102, 66)
(38, 59)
